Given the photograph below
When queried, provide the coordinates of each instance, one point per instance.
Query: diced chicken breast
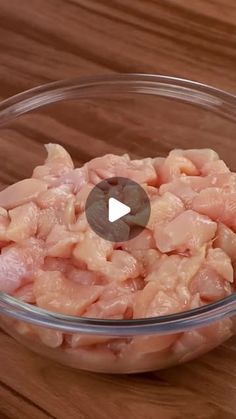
(4, 223)
(81, 197)
(218, 260)
(47, 219)
(115, 308)
(93, 251)
(26, 293)
(174, 166)
(151, 302)
(56, 293)
(210, 285)
(226, 240)
(24, 222)
(214, 167)
(184, 258)
(75, 179)
(83, 277)
(209, 202)
(56, 198)
(61, 242)
(200, 157)
(188, 231)
(18, 262)
(217, 205)
(141, 171)
(21, 192)
(120, 267)
(49, 337)
(195, 342)
(57, 164)
(164, 209)
(143, 241)
(180, 189)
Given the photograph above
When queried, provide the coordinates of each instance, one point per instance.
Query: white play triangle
(117, 210)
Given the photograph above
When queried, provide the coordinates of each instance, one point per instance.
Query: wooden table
(45, 40)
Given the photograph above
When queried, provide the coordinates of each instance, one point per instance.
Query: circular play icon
(117, 209)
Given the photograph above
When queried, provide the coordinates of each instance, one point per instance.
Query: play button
(117, 209)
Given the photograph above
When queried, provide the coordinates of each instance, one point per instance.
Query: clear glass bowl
(143, 115)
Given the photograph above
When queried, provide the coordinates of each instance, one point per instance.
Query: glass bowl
(143, 115)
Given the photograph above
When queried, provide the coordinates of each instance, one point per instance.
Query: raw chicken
(184, 258)
(54, 292)
(188, 231)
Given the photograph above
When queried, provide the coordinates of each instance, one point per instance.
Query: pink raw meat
(184, 258)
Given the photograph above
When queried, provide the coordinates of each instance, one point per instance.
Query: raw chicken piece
(142, 247)
(26, 293)
(56, 264)
(209, 285)
(57, 164)
(143, 241)
(174, 166)
(75, 179)
(217, 205)
(174, 273)
(158, 162)
(69, 212)
(61, 242)
(49, 337)
(151, 191)
(93, 251)
(56, 293)
(180, 189)
(152, 302)
(18, 262)
(209, 202)
(152, 344)
(195, 342)
(56, 198)
(141, 171)
(3, 212)
(218, 260)
(149, 260)
(166, 273)
(115, 308)
(24, 222)
(214, 167)
(47, 219)
(21, 192)
(199, 157)
(120, 267)
(79, 340)
(163, 304)
(81, 224)
(184, 258)
(83, 277)
(164, 209)
(226, 181)
(105, 167)
(81, 197)
(188, 231)
(116, 302)
(226, 240)
(4, 223)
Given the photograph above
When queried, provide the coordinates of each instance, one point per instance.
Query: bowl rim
(185, 90)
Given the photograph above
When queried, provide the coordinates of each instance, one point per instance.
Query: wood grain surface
(47, 40)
